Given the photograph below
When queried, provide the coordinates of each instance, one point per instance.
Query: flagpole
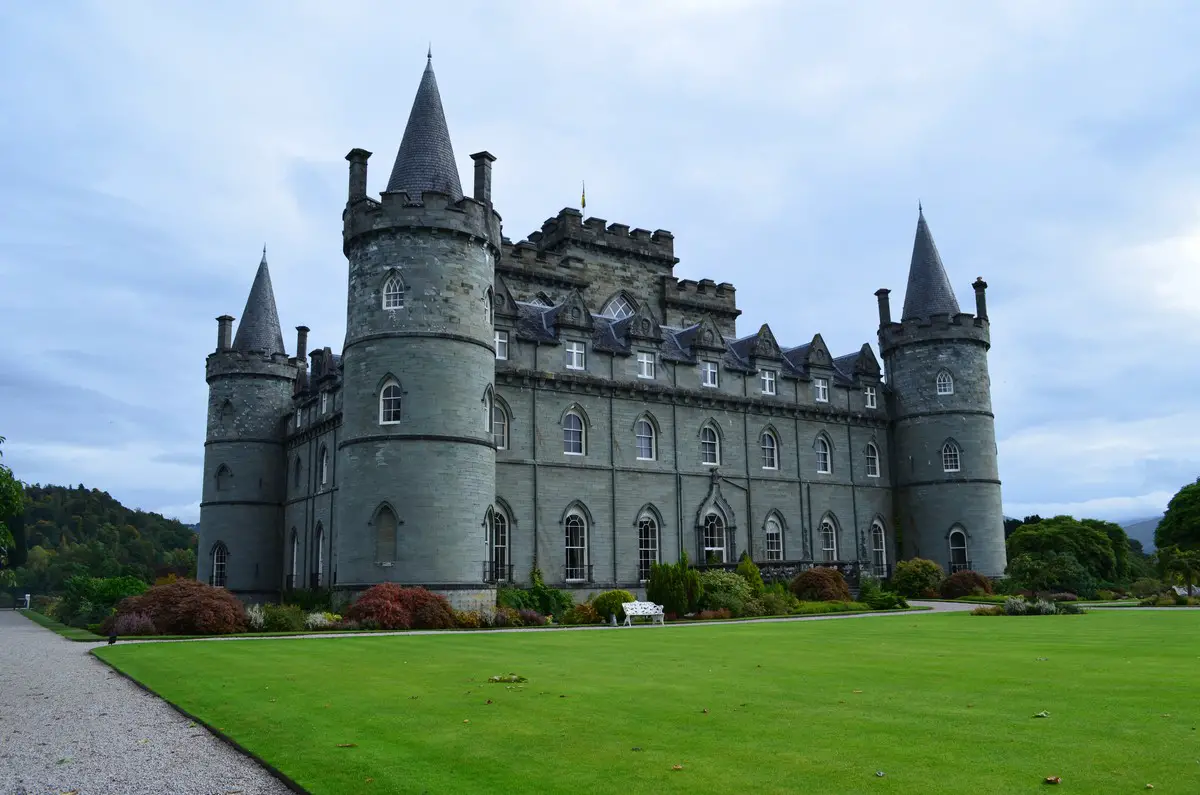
(583, 196)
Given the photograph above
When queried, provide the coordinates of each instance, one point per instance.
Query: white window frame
(295, 555)
(391, 404)
(879, 549)
(644, 424)
(714, 530)
(501, 342)
(646, 361)
(575, 571)
(499, 545)
(324, 465)
(393, 293)
(499, 421)
(324, 402)
(710, 449)
(582, 431)
(770, 450)
(945, 383)
(320, 550)
(710, 375)
(576, 356)
(299, 417)
(829, 540)
(773, 533)
(220, 564)
(767, 381)
(647, 545)
(966, 558)
(824, 456)
(872, 460)
(871, 397)
(618, 308)
(951, 457)
(821, 390)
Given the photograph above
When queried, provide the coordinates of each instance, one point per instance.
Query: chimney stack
(358, 174)
(885, 307)
(483, 177)
(302, 343)
(980, 299)
(224, 333)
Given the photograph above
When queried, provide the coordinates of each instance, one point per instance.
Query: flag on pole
(583, 197)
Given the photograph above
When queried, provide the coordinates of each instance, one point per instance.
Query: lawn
(938, 703)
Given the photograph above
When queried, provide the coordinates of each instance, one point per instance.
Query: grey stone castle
(565, 402)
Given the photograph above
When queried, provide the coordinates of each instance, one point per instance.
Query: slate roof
(426, 158)
(929, 291)
(259, 329)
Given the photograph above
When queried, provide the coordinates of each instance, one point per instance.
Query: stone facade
(564, 402)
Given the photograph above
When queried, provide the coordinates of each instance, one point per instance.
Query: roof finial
(264, 259)
(429, 52)
(920, 210)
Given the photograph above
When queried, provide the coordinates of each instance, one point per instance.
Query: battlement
(434, 212)
(230, 363)
(944, 327)
(704, 295)
(570, 227)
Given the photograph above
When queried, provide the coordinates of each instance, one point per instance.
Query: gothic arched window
(393, 292)
(389, 403)
(770, 450)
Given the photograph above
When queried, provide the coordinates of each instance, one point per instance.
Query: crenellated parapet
(687, 300)
(236, 364)
(569, 227)
(432, 212)
(938, 328)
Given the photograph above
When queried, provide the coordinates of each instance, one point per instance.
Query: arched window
(225, 413)
(879, 549)
(646, 448)
(324, 465)
(393, 292)
(829, 547)
(224, 478)
(618, 308)
(295, 559)
(487, 305)
(488, 418)
(573, 436)
(385, 535)
(774, 535)
(958, 551)
(319, 558)
(389, 403)
(499, 547)
(872, 460)
(714, 539)
(647, 545)
(499, 426)
(950, 458)
(710, 446)
(945, 383)
(824, 462)
(296, 473)
(220, 561)
(576, 548)
(770, 450)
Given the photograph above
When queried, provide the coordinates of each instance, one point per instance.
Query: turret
(416, 454)
(947, 483)
(250, 384)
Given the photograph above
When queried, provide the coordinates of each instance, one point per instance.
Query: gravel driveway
(68, 724)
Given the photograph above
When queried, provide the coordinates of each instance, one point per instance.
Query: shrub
(532, 618)
(310, 600)
(1147, 586)
(749, 572)
(775, 603)
(1015, 606)
(675, 586)
(392, 606)
(505, 617)
(46, 605)
(917, 577)
(186, 607)
(885, 600)
(609, 603)
(516, 598)
(1063, 597)
(468, 619)
(964, 583)
(283, 618)
(724, 590)
(581, 614)
(988, 610)
(713, 615)
(1042, 607)
(321, 620)
(1067, 608)
(133, 624)
(349, 623)
(820, 584)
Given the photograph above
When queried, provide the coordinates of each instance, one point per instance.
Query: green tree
(1090, 547)
(1183, 563)
(1118, 539)
(12, 503)
(1180, 525)
(1051, 571)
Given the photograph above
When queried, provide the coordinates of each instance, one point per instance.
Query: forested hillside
(67, 530)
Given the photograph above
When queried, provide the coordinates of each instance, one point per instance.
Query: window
(618, 308)
(489, 419)
(220, 559)
(770, 450)
(870, 393)
(872, 461)
(714, 539)
(389, 404)
(828, 541)
(319, 563)
(295, 557)
(767, 380)
(299, 419)
(487, 306)
(774, 535)
(945, 383)
(645, 364)
(710, 446)
(950, 460)
(499, 427)
(324, 465)
(324, 402)
(878, 550)
(499, 547)
(224, 478)
(573, 434)
(958, 551)
(501, 345)
(823, 463)
(393, 293)
(576, 545)
(821, 390)
(708, 374)
(296, 473)
(643, 429)
(647, 545)
(542, 300)
(385, 535)
(575, 352)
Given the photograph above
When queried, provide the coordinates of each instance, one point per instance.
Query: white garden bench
(652, 611)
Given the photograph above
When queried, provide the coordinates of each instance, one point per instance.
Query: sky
(149, 150)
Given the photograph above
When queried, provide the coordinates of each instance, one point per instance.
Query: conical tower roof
(426, 158)
(929, 291)
(259, 328)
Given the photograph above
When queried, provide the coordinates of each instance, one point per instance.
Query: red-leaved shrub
(133, 624)
(392, 606)
(532, 618)
(184, 607)
(964, 583)
(820, 584)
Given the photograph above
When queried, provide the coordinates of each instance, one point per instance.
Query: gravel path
(69, 724)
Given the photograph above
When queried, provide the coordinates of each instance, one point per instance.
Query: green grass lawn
(70, 633)
(939, 703)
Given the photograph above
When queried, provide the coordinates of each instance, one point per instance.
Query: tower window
(870, 394)
(767, 381)
(575, 356)
(324, 465)
(645, 364)
(823, 462)
(945, 383)
(393, 293)
(770, 450)
(872, 461)
(389, 404)
(821, 390)
(385, 535)
(950, 457)
(224, 478)
(958, 551)
(573, 437)
(501, 345)
(644, 433)
(708, 374)
(499, 427)
(220, 561)
(710, 446)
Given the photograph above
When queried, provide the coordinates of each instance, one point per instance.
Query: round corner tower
(250, 386)
(946, 478)
(417, 458)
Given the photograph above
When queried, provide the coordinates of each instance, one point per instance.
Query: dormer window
(393, 293)
(708, 374)
(618, 308)
(945, 383)
(870, 393)
(821, 390)
(501, 345)
(575, 356)
(645, 361)
(767, 381)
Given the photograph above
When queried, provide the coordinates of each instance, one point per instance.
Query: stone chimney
(885, 307)
(483, 177)
(358, 176)
(301, 343)
(224, 332)
(980, 298)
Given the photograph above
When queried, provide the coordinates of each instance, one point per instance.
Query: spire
(929, 291)
(426, 159)
(259, 330)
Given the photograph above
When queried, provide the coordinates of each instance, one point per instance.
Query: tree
(1051, 571)
(1182, 562)
(1089, 546)
(12, 502)
(1180, 525)
(1118, 539)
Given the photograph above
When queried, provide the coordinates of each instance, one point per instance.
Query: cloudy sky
(149, 149)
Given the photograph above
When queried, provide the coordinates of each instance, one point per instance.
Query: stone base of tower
(460, 597)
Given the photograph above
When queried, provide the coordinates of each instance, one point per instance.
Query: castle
(565, 402)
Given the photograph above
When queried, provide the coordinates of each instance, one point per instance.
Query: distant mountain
(1143, 530)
